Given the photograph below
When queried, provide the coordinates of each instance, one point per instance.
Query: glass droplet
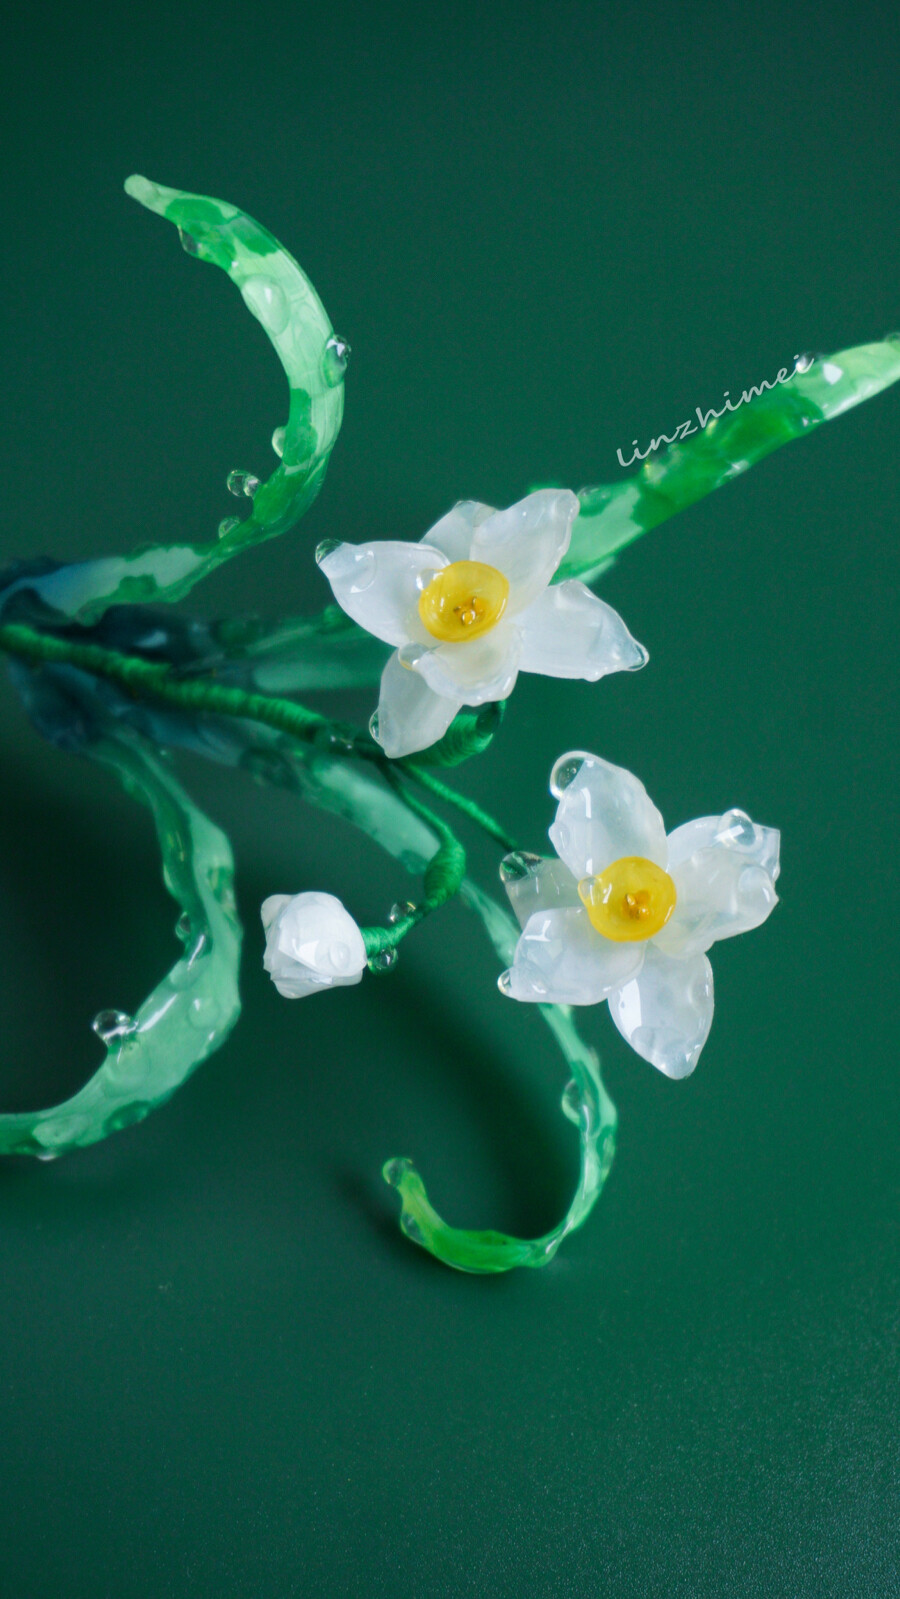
(268, 302)
(504, 982)
(374, 726)
(400, 911)
(278, 438)
(112, 1024)
(242, 483)
(394, 1171)
(384, 961)
(188, 243)
(228, 525)
(335, 360)
(736, 830)
(326, 547)
(521, 863)
(565, 771)
(183, 927)
(802, 363)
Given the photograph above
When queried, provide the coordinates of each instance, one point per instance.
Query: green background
(545, 229)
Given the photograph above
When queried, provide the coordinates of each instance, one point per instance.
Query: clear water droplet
(736, 830)
(278, 438)
(565, 771)
(521, 863)
(242, 483)
(374, 726)
(400, 911)
(394, 1171)
(504, 982)
(572, 1101)
(335, 360)
(188, 243)
(228, 525)
(326, 547)
(802, 363)
(183, 927)
(112, 1024)
(268, 302)
(384, 961)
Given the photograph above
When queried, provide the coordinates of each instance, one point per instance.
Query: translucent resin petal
(561, 960)
(527, 542)
(568, 632)
(666, 1012)
(604, 813)
(410, 715)
(379, 585)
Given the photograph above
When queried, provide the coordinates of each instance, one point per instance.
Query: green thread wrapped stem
(443, 876)
(199, 694)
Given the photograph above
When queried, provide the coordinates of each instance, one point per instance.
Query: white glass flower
(627, 914)
(312, 943)
(470, 607)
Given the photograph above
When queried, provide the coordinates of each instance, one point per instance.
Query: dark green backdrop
(545, 228)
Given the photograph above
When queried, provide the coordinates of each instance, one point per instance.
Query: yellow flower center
(463, 601)
(630, 901)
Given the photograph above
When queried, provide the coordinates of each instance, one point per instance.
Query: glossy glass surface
(544, 229)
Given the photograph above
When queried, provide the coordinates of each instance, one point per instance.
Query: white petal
(536, 884)
(481, 669)
(379, 585)
(719, 895)
(527, 542)
(454, 532)
(734, 830)
(561, 960)
(410, 715)
(568, 632)
(271, 907)
(604, 813)
(724, 869)
(312, 942)
(666, 1011)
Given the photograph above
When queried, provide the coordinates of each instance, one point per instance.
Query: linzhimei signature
(802, 363)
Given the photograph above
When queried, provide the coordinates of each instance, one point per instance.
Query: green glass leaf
(279, 294)
(191, 1012)
(614, 514)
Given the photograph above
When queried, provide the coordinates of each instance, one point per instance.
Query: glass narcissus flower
(312, 942)
(626, 913)
(469, 608)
